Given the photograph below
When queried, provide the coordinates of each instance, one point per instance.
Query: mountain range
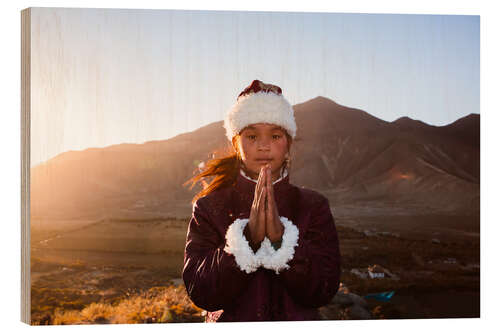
(352, 157)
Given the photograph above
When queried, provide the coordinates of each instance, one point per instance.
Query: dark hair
(224, 170)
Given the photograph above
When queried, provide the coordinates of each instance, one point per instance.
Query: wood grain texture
(25, 164)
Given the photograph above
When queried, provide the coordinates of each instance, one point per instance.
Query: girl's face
(260, 144)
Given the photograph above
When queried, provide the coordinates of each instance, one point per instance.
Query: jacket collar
(246, 185)
(283, 174)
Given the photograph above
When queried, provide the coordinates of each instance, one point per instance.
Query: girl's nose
(264, 144)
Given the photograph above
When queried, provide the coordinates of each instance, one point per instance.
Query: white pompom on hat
(260, 103)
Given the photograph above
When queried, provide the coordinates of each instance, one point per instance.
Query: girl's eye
(252, 137)
(276, 136)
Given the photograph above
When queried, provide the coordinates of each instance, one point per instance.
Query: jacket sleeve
(312, 270)
(211, 274)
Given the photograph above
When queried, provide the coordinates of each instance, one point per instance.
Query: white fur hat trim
(260, 107)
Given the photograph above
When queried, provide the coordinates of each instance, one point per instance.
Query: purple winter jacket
(224, 276)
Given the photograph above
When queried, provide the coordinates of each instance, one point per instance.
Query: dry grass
(157, 305)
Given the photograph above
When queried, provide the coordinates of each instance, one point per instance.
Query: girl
(259, 248)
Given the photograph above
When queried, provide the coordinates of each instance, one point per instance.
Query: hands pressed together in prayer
(264, 218)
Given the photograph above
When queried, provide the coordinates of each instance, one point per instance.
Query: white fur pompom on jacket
(224, 276)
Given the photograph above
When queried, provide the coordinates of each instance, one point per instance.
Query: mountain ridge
(345, 153)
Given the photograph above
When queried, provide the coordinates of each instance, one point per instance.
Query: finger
(258, 188)
(259, 183)
(269, 214)
(269, 210)
(262, 178)
(264, 203)
(270, 182)
(271, 207)
(268, 186)
(265, 174)
(272, 198)
(269, 189)
(262, 209)
(261, 198)
(257, 210)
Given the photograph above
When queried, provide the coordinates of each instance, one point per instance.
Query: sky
(108, 76)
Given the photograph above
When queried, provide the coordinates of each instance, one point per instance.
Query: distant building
(376, 272)
(359, 273)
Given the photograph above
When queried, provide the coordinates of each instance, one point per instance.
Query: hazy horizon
(205, 125)
(173, 71)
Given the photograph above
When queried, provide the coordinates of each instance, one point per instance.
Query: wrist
(248, 235)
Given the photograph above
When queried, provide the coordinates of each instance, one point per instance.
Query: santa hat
(260, 103)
